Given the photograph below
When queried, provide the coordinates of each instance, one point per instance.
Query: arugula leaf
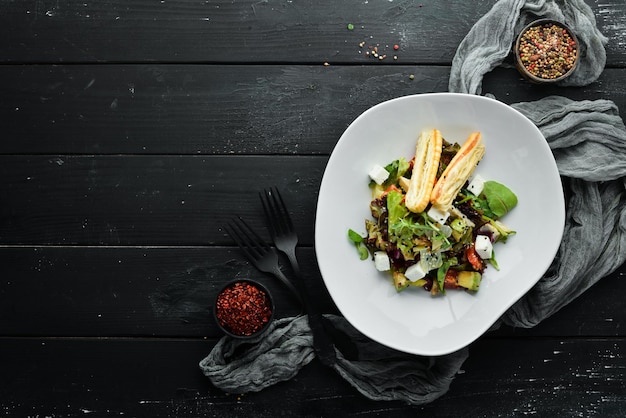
(404, 227)
(355, 236)
(363, 253)
(493, 261)
(357, 239)
(441, 277)
(443, 270)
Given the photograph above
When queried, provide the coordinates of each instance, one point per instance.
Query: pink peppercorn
(243, 308)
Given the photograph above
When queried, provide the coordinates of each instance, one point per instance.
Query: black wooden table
(132, 129)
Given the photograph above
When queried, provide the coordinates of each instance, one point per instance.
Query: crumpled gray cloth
(380, 373)
(238, 366)
(588, 139)
(490, 40)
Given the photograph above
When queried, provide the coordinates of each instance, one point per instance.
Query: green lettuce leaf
(396, 170)
(395, 208)
(499, 198)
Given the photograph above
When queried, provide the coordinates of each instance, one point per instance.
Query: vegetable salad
(434, 249)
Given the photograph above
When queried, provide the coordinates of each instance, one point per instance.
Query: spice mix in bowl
(546, 51)
(244, 308)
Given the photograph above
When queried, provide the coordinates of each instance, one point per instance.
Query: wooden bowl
(546, 51)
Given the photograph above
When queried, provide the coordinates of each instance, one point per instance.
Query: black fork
(286, 240)
(281, 228)
(260, 254)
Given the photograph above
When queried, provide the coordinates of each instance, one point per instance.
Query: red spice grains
(547, 50)
(243, 308)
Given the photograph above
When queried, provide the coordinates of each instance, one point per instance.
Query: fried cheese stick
(427, 155)
(458, 171)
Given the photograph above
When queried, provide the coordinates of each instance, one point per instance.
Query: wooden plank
(215, 109)
(158, 378)
(284, 31)
(428, 31)
(147, 200)
(90, 291)
(126, 291)
(173, 109)
(597, 312)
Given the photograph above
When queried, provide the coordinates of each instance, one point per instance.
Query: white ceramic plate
(517, 155)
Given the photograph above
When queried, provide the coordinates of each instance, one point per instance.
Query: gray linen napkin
(380, 373)
(588, 139)
(489, 41)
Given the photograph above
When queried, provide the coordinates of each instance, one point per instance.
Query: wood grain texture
(140, 292)
(147, 200)
(222, 109)
(145, 292)
(132, 130)
(280, 31)
(131, 377)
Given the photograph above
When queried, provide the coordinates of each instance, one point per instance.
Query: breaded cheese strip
(427, 155)
(458, 171)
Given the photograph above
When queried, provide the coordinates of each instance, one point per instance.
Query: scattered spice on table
(377, 51)
(243, 308)
(547, 50)
(373, 49)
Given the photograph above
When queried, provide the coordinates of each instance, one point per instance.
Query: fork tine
(253, 238)
(276, 212)
(235, 234)
(269, 213)
(249, 241)
(280, 214)
(280, 203)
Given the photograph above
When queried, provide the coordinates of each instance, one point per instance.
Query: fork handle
(291, 255)
(276, 271)
(319, 325)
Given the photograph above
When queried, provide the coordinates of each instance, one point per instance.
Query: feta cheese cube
(483, 246)
(379, 174)
(381, 261)
(476, 185)
(437, 215)
(415, 272)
